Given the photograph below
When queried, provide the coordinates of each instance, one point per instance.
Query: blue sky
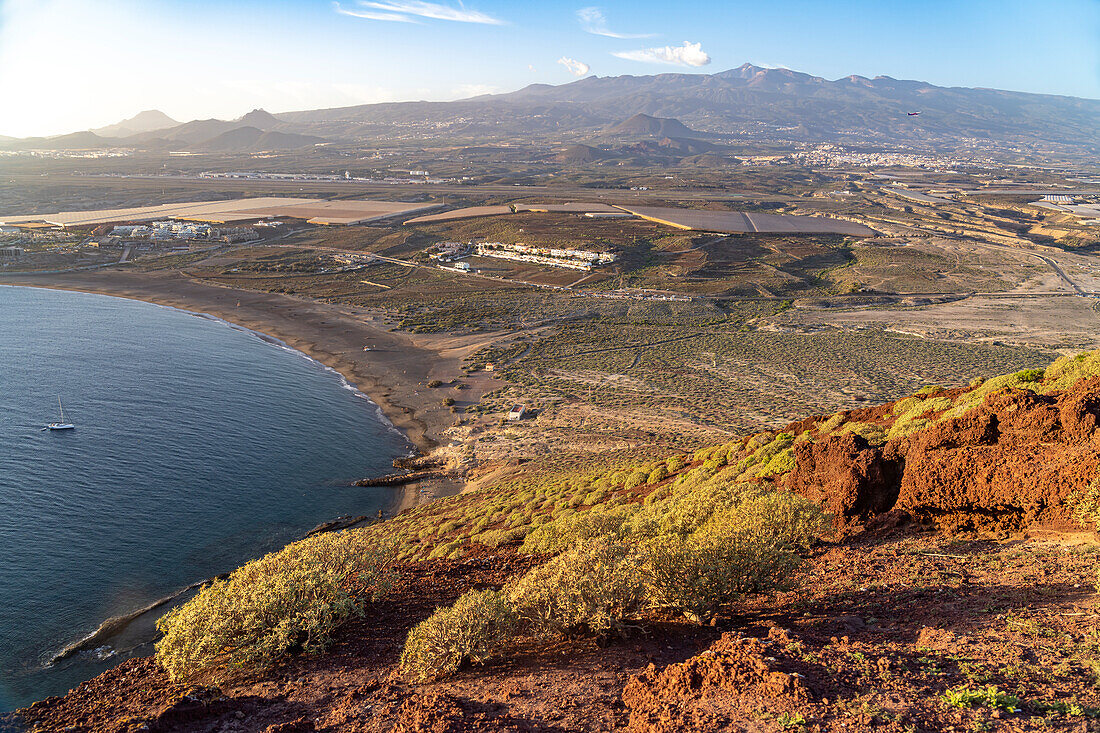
(72, 64)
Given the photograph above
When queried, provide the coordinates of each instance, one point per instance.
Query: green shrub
(1026, 376)
(675, 463)
(589, 589)
(965, 697)
(716, 565)
(688, 508)
(561, 534)
(831, 424)
(635, 479)
(658, 474)
(702, 454)
(498, 537)
(284, 602)
(475, 628)
(657, 495)
(1086, 505)
(790, 520)
(782, 462)
(873, 434)
(1064, 372)
(595, 497)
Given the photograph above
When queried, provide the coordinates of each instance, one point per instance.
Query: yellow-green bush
(830, 424)
(782, 462)
(1063, 373)
(589, 589)
(697, 575)
(762, 455)
(286, 601)
(475, 628)
(748, 546)
(702, 454)
(562, 534)
(788, 519)
(658, 474)
(1086, 505)
(1025, 379)
(873, 434)
(689, 507)
(498, 537)
(675, 463)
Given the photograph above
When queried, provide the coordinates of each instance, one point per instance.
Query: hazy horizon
(81, 64)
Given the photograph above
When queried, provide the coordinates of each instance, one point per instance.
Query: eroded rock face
(713, 691)
(1013, 462)
(853, 480)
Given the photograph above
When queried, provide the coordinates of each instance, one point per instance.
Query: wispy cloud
(368, 15)
(409, 11)
(689, 54)
(574, 67)
(593, 21)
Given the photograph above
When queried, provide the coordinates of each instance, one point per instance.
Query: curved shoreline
(297, 323)
(413, 430)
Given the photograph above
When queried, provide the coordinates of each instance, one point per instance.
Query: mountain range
(746, 104)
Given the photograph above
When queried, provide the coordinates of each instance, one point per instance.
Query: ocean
(199, 445)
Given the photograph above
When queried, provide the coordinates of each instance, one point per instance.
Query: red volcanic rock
(853, 480)
(1013, 462)
(713, 691)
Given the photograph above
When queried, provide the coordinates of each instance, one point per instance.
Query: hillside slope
(898, 624)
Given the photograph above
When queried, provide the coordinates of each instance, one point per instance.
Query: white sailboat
(62, 424)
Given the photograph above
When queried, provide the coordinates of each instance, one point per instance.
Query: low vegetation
(680, 554)
(286, 601)
(472, 630)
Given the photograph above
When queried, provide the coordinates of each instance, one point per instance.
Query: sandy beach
(393, 373)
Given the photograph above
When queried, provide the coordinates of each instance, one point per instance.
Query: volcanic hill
(955, 589)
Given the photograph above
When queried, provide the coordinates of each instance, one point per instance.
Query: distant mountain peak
(146, 121)
(660, 127)
(259, 118)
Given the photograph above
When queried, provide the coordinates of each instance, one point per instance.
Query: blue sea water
(198, 446)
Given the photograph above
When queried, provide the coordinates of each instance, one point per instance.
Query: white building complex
(576, 259)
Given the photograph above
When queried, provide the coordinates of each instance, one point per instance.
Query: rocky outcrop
(1017, 460)
(851, 479)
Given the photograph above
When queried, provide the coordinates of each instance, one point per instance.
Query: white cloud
(690, 54)
(593, 21)
(368, 15)
(574, 67)
(407, 11)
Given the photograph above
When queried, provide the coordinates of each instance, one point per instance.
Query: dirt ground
(888, 623)
(1053, 321)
